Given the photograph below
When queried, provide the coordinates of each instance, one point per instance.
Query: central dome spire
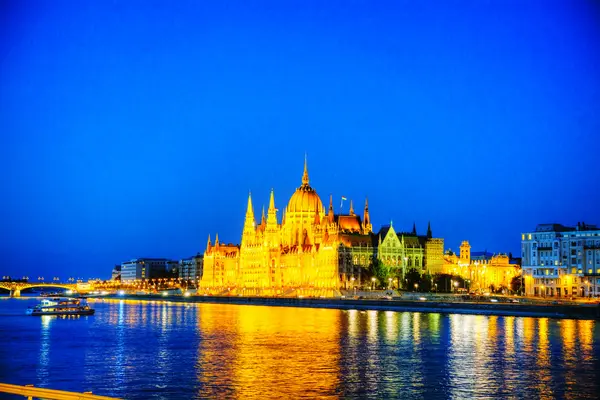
(305, 175)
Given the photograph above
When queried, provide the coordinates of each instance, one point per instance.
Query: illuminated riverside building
(481, 270)
(190, 269)
(313, 251)
(401, 252)
(561, 261)
(146, 268)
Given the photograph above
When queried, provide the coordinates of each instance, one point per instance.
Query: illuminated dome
(305, 199)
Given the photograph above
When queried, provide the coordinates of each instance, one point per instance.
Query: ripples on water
(138, 350)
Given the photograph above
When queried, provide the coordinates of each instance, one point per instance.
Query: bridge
(15, 287)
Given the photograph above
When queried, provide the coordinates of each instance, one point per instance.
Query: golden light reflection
(416, 328)
(586, 338)
(543, 377)
(391, 326)
(509, 336)
(255, 364)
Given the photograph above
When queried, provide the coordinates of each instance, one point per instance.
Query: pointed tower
(249, 233)
(272, 238)
(217, 240)
(367, 227)
(414, 231)
(429, 234)
(208, 244)
(305, 175)
(263, 220)
(330, 212)
(272, 212)
(351, 208)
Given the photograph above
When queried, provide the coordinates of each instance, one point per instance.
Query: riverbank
(569, 311)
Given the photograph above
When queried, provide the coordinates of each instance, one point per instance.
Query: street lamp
(416, 286)
(455, 286)
(373, 284)
(390, 283)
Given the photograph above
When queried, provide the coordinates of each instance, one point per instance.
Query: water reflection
(43, 367)
(145, 350)
(254, 351)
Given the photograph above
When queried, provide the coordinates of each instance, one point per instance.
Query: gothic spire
(250, 210)
(208, 244)
(272, 211)
(351, 208)
(305, 175)
(249, 223)
(429, 234)
(367, 218)
(414, 231)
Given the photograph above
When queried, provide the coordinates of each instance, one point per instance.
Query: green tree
(380, 272)
(516, 284)
(426, 283)
(413, 277)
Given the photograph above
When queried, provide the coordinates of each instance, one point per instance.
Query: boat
(58, 306)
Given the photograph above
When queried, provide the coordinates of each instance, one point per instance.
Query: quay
(569, 310)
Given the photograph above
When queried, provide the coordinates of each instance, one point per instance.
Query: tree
(516, 284)
(412, 277)
(447, 283)
(380, 272)
(425, 283)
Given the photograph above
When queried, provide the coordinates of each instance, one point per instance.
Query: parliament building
(311, 252)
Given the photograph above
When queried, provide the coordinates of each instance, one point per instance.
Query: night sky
(134, 129)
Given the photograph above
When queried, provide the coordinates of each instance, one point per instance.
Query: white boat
(58, 306)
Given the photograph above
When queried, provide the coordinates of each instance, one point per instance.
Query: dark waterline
(145, 350)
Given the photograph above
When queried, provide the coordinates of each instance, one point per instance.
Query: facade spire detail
(208, 244)
(305, 175)
(216, 240)
(272, 211)
(330, 212)
(249, 224)
(429, 234)
(351, 208)
(367, 228)
(414, 231)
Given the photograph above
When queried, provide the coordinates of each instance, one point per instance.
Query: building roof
(348, 223)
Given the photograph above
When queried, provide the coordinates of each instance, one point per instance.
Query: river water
(160, 350)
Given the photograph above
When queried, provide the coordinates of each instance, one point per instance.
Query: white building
(190, 269)
(147, 268)
(562, 261)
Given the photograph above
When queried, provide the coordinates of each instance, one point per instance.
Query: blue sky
(134, 129)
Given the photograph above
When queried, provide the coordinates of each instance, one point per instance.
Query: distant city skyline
(134, 130)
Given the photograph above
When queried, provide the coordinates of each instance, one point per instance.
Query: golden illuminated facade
(481, 272)
(312, 251)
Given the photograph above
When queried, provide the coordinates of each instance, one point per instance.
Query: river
(160, 350)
